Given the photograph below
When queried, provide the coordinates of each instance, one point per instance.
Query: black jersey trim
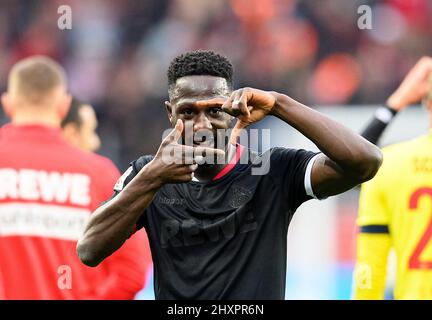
(375, 228)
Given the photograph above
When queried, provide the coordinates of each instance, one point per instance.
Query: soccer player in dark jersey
(218, 231)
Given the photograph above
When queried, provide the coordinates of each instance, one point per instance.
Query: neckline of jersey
(226, 170)
(10, 130)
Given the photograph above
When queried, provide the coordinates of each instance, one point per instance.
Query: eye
(215, 111)
(187, 112)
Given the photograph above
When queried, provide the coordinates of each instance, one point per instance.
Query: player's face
(84, 136)
(206, 123)
(89, 139)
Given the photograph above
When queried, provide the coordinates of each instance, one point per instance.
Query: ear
(64, 106)
(70, 133)
(7, 104)
(168, 108)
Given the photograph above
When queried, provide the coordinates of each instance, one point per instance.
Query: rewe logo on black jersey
(190, 232)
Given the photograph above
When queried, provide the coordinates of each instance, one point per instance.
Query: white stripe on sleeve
(308, 174)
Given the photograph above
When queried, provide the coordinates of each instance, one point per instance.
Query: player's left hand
(248, 105)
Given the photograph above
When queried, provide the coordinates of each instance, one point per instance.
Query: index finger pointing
(198, 151)
(211, 102)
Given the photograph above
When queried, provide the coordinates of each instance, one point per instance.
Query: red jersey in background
(48, 189)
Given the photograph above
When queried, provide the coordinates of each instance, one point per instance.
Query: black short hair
(200, 63)
(73, 115)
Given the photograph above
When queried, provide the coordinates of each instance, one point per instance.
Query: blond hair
(34, 79)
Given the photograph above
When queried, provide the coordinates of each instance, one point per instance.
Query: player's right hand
(414, 87)
(176, 163)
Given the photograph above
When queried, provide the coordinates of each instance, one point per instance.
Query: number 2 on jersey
(414, 261)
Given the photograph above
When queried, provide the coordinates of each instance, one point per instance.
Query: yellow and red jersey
(395, 211)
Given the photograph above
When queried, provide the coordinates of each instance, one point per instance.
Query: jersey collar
(34, 132)
(231, 164)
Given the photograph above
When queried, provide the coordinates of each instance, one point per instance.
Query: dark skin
(347, 159)
(185, 105)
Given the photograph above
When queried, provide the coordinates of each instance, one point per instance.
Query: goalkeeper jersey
(395, 211)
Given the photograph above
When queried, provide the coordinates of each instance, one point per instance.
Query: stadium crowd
(117, 52)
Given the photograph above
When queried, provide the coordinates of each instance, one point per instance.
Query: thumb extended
(236, 131)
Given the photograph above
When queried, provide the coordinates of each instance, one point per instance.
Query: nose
(202, 122)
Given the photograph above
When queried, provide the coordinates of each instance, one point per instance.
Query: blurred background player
(395, 209)
(48, 189)
(79, 126)
(413, 89)
(79, 129)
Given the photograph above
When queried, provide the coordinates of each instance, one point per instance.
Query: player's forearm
(112, 223)
(353, 154)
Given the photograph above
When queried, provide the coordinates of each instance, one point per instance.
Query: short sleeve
(124, 179)
(130, 173)
(373, 209)
(288, 168)
(133, 169)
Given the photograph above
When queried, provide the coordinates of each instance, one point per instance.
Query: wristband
(385, 114)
